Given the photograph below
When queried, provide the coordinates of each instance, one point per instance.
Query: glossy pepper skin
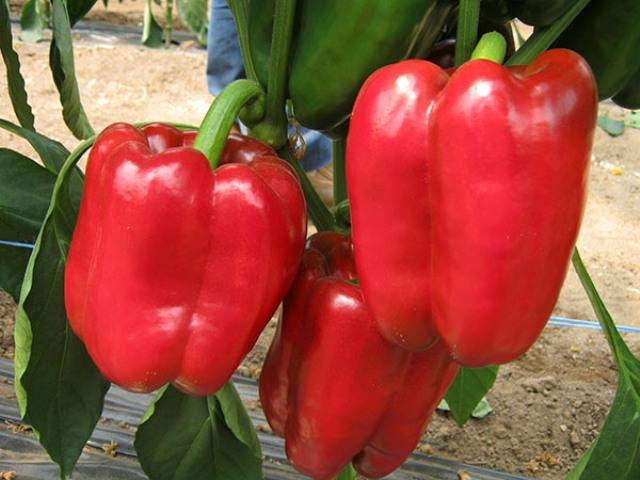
(608, 38)
(426, 381)
(175, 268)
(538, 13)
(338, 44)
(478, 181)
(332, 386)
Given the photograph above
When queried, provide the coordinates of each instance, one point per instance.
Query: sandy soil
(549, 405)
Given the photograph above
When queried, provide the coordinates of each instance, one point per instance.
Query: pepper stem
(224, 110)
(492, 46)
(342, 214)
(273, 129)
(320, 215)
(338, 152)
(240, 12)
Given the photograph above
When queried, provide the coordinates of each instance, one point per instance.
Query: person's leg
(224, 60)
(318, 152)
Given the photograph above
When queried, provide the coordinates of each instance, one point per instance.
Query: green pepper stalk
(273, 129)
(213, 132)
(240, 11)
(492, 46)
(338, 151)
(320, 215)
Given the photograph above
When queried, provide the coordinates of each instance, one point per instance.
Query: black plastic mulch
(21, 452)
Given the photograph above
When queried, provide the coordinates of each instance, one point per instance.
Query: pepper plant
(364, 299)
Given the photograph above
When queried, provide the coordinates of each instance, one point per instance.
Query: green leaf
(237, 418)
(78, 9)
(25, 191)
(467, 391)
(578, 468)
(482, 409)
(616, 451)
(63, 70)
(193, 14)
(348, 473)
(634, 119)
(175, 438)
(544, 37)
(52, 154)
(232, 457)
(151, 31)
(13, 263)
(59, 390)
(31, 22)
(190, 437)
(613, 127)
(467, 30)
(15, 82)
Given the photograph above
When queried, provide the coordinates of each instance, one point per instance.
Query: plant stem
(338, 151)
(240, 11)
(180, 126)
(273, 129)
(492, 46)
(602, 314)
(467, 31)
(342, 214)
(320, 215)
(168, 25)
(224, 110)
(544, 37)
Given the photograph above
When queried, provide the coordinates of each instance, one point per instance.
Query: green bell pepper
(629, 96)
(338, 45)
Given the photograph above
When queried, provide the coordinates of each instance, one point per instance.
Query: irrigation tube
(10, 243)
(554, 321)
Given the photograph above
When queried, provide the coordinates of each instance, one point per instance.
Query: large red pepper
(467, 193)
(333, 386)
(174, 268)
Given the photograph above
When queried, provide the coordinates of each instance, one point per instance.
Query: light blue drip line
(10, 243)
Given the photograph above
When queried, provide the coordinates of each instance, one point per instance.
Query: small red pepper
(467, 193)
(333, 386)
(174, 269)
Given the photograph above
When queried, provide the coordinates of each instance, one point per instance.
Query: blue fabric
(224, 61)
(224, 65)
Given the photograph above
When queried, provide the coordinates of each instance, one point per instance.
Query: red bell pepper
(333, 386)
(467, 191)
(174, 268)
(427, 379)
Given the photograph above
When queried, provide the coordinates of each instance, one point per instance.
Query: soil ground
(547, 406)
